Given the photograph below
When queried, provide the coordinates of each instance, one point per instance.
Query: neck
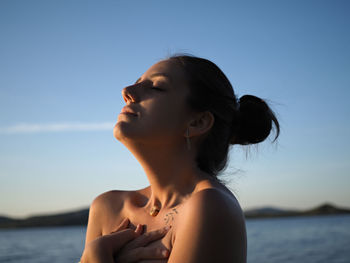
(171, 171)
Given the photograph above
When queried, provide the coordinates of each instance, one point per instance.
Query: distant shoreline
(268, 212)
(80, 217)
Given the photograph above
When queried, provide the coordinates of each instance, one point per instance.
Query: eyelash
(157, 88)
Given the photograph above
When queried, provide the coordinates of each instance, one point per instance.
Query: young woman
(180, 118)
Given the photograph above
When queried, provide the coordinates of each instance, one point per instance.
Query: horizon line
(82, 207)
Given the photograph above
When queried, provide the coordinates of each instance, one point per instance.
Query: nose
(129, 94)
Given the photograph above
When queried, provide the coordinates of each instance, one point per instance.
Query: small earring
(188, 140)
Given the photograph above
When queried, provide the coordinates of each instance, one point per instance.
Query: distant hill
(64, 219)
(267, 212)
(80, 217)
(324, 209)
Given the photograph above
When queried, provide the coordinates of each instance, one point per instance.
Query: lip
(128, 110)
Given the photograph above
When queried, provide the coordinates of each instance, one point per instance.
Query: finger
(139, 229)
(142, 253)
(152, 236)
(120, 238)
(144, 239)
(123, 225)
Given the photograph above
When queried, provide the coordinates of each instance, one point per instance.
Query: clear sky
(64, 63)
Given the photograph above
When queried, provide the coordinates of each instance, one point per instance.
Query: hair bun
(255, 121)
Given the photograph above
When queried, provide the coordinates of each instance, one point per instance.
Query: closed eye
(156, 88)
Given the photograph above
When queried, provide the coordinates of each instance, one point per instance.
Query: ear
(200, 124)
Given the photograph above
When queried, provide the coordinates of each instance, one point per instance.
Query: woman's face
(158, 101)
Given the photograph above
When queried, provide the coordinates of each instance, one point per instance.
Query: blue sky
(64, 63)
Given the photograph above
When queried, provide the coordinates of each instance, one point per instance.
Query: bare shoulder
(212, 229)
(108, 201)
(214, 204)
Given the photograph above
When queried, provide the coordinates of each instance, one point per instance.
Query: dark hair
(245, 121)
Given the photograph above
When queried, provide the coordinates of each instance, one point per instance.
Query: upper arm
(100, 209)
(94, 226)
(212, 229)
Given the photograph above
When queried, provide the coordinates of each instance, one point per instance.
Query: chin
(117, 131)
(123, 131)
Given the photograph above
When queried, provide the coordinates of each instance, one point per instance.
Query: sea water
(294, 239)
(299, 239)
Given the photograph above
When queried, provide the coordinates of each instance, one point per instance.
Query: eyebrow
(157, 75)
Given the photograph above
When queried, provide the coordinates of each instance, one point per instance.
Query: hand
(137, 249)
(105, 248)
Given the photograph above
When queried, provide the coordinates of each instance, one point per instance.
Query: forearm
(94, 253)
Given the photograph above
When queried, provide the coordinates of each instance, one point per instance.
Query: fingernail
(165, 253)
(138, 228)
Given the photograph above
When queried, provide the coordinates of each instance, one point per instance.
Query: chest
(139, 216)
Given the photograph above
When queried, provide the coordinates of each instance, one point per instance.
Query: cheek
(168, 114)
